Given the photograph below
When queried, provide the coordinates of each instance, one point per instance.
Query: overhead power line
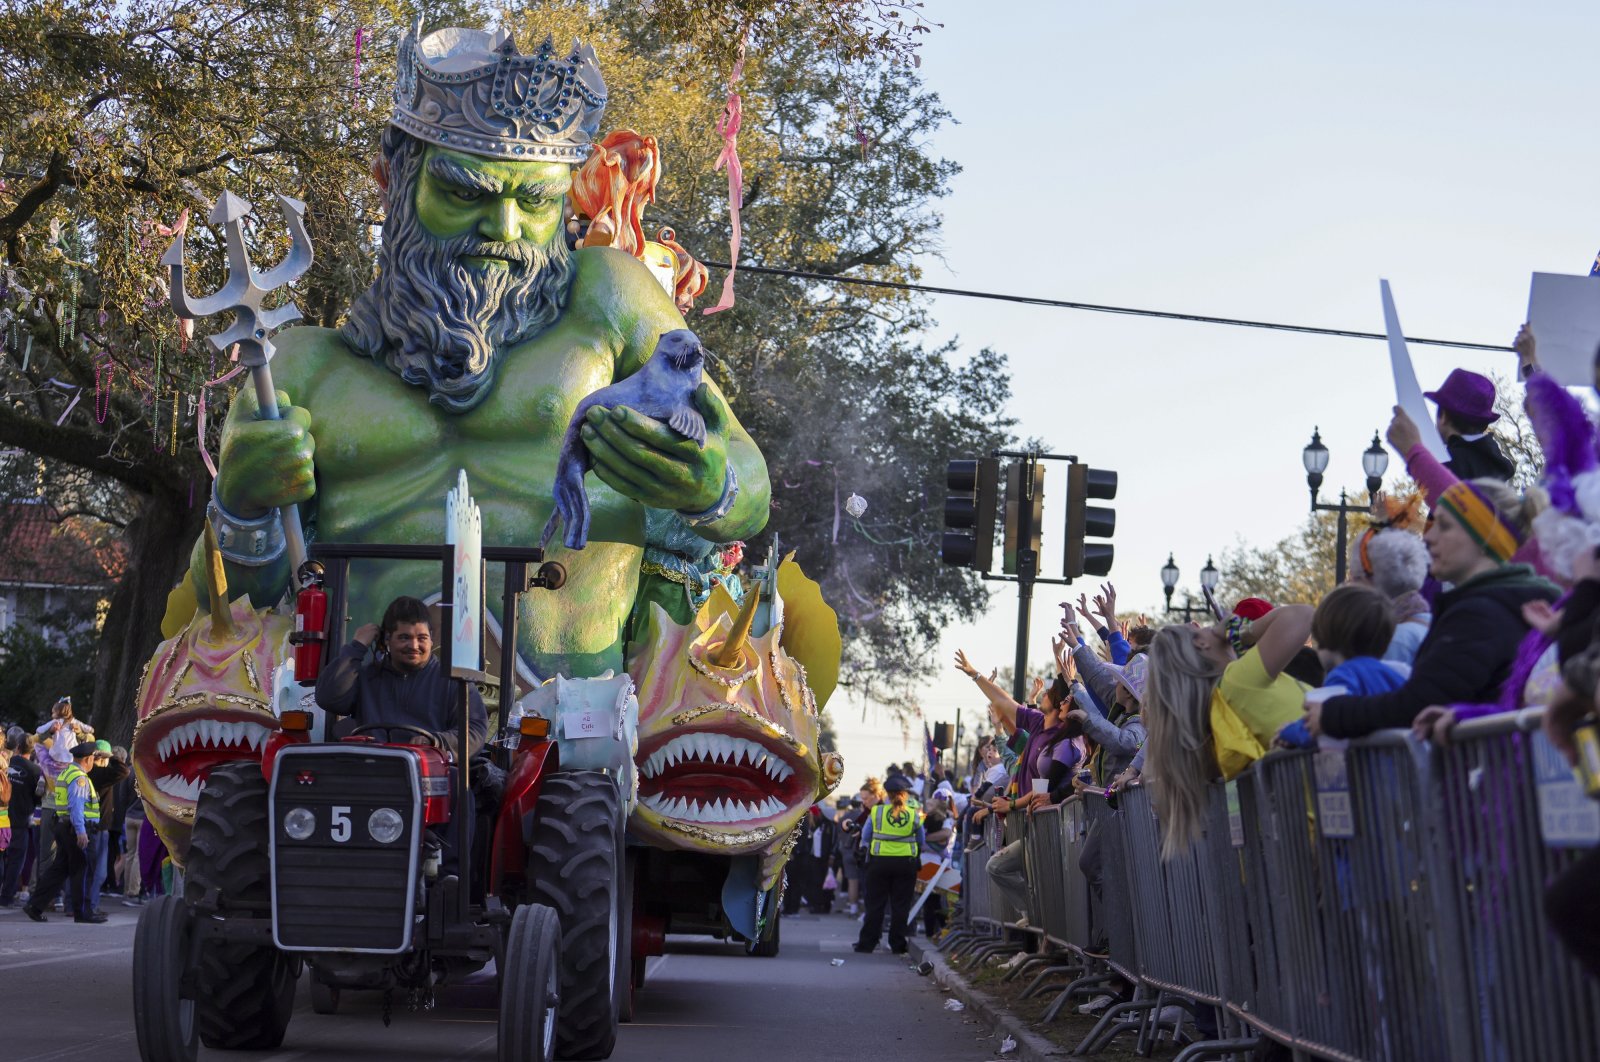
(1094, 307)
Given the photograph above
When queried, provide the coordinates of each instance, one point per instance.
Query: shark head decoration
(728, 723)
(205, 699)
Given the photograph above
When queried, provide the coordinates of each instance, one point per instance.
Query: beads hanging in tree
(102, 389)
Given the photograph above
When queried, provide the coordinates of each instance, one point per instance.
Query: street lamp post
(1169, 582)
(1374, 462)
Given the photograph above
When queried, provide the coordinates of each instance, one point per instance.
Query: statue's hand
(267, 463)
(645, 459)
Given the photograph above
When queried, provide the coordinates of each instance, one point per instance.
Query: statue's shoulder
(618, 295)
(308, 356)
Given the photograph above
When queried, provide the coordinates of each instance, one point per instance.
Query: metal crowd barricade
(1009, 829)
(1046, 863)
(1503, 836)
(1111, 910)
(1071, 926)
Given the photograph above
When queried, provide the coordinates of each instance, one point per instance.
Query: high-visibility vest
(893, 830)
(69, 774)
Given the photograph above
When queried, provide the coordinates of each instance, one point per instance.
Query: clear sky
(1257, 160)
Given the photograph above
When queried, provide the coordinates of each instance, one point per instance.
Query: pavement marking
(75, 956)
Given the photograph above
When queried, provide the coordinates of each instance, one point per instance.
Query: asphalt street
(67, 996)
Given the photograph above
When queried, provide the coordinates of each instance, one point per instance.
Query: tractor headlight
(385, 825)
(299, 823)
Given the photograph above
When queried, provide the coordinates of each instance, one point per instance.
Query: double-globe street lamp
(1374, 462)
(1169, 582)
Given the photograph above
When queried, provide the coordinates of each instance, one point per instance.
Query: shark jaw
(720, 783)
(176, 749)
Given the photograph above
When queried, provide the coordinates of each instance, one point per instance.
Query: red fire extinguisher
(310, 622)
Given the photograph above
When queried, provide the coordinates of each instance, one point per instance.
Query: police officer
(77, 815)
(892, 836)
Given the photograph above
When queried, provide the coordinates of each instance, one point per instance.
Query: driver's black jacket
(378, 693)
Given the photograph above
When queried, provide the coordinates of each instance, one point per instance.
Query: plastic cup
(1041, 786)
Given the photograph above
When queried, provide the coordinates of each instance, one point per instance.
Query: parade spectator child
(1352, 627)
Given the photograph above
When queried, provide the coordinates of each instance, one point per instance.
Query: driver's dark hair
(403, 610)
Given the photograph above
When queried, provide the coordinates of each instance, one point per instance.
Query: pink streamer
(728, 128)
(200, 413)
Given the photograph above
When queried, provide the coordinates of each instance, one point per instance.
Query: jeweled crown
(474, 91)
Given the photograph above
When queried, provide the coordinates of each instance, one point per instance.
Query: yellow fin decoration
(720, 603)
(181, 608)
(810, 629)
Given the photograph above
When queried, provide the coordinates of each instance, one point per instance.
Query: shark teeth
(710, 748)
(175, 785)
(238, 735)
(713, 812)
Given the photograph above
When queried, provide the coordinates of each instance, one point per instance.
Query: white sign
(585, 724)
(1564, 314)
(463, 529)
(1408, 393)
(1335, 813)
(1567, 817)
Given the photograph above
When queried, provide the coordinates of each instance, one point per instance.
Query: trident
(252, 326)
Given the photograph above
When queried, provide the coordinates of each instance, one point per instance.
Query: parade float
(520, 363)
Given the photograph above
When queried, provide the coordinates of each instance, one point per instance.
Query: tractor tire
(163, 1023)
(624, 973)
(530, 986)
(324, 998)
(245, 991)
(575, 865)
(767, 946)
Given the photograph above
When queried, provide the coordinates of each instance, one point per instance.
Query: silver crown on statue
(472, 90)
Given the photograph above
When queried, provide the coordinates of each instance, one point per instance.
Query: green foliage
(36, 671)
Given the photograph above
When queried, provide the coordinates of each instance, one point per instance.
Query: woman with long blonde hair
(1192, 668)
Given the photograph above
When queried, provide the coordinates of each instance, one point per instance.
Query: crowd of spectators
(1486, 601)
(121, 855)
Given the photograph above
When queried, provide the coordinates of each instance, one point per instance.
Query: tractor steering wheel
(432, 739)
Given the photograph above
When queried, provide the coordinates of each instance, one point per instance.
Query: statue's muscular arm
(623, 299)
(300, 350)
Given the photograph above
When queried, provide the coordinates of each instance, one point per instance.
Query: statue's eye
(467, 195)
(531, 202)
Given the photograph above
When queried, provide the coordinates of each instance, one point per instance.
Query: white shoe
(1016, 960)
(1172, 1015)
(1021, 923)
(1097, 1004)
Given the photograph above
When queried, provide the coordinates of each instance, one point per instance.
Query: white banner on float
(463, 529)
(1408, 393)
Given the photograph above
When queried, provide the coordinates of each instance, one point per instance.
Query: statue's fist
(266, 463)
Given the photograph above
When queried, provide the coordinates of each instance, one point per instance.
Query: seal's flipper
(687, 422)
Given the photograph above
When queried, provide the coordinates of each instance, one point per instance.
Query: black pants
(65, 869)
(15, 856)
(1570, 906)
(891, 882)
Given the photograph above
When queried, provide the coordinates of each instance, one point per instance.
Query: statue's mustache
(519, 253)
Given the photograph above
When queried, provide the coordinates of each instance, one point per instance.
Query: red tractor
(351, 859)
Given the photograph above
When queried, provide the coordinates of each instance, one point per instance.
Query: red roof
(41, 547)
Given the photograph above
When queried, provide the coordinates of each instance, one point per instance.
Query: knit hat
(103, 746)
(1133, 674)
(1499, 537)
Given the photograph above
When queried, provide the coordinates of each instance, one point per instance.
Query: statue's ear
(380, 173)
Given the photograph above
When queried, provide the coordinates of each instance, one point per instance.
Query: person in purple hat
(1466, 409)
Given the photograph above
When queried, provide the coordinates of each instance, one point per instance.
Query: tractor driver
(404, 684)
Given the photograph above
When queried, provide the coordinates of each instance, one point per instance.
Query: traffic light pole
(1027, 569)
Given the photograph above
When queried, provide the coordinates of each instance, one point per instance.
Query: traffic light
(969, 513)
(1024, 512)
(1089, 521)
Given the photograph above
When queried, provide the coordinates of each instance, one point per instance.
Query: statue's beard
(437, 319)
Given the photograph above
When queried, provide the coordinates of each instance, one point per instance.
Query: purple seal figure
(663, 389)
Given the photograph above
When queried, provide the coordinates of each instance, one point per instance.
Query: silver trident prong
(252, 326)
(242, 295)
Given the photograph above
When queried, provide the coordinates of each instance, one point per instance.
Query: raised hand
(964, 666)
(266, 463)
(1402, 433)
(1106, 604)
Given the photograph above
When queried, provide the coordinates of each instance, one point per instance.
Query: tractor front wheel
(163, 1022)
(530, 986)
